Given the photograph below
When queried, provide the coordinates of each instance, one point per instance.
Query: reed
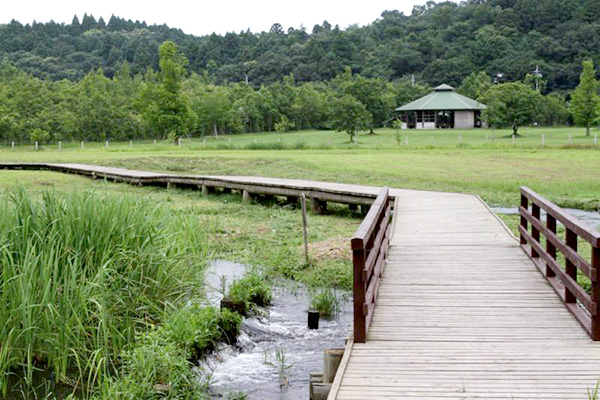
(81, 275)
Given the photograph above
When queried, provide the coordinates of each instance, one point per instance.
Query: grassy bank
(86, 274)
(566, 175)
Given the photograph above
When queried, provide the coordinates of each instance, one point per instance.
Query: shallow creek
(284, 329)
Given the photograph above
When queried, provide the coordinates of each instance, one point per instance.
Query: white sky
(203, 17)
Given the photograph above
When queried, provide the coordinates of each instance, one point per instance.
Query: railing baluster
(550, 248)
(535, 233)
(570, 268)
(525, 205)
(595, 293)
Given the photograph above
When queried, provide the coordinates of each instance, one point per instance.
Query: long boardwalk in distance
(456, 306)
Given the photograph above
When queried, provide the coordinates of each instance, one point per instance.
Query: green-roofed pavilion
(442, 108)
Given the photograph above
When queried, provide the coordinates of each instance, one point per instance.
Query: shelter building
(442, 108)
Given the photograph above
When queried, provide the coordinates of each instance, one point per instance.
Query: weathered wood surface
(463, 313)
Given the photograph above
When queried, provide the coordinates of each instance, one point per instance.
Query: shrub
(251, 290)
(230, 323)
(326, 301)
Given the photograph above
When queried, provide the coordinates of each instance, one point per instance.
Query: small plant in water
(326, 301)
(281, 364)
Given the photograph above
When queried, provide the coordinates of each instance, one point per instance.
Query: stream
(282, 329)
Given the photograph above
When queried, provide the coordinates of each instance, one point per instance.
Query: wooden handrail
(584, 306)
(370, 245)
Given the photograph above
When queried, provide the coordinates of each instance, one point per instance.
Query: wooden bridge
(448, 304)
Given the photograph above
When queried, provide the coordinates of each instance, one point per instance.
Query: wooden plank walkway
(463, 313)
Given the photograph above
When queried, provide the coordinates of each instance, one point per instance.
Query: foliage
(438, 43)
(350, 115)
(585, 101)
(82, 274)
(327, 301)
(251, 290)
(511, 104)
(475, 85)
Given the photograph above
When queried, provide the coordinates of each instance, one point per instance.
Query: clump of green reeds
(81, 275)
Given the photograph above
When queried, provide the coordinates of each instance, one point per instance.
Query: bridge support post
(247, 196)
(206, 190)
(360, 322)
(525, 205)
(317, 206)
(596, 293)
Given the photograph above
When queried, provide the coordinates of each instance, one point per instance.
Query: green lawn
(567, 175)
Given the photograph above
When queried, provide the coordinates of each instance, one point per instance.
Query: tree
(511, 104)
(169, 114)
(350, 115)
(475, 84)
(585, 102)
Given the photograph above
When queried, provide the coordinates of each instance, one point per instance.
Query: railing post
(535, 233)
(550, 248)
(595, 293)
(570, 268)
(360, 323)
(525, 205)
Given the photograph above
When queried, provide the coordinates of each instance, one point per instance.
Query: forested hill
(439, 42)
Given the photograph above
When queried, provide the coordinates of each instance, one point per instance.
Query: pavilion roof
(443, 98)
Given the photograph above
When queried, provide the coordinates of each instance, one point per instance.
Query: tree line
(438, 42)
(170, 103)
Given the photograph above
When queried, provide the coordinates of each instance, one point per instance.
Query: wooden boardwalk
(463, 313)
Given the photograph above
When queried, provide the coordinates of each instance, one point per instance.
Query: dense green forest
(92, 80)
(439, 43)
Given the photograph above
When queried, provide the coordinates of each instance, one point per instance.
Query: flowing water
(283, 329)
(590, 218)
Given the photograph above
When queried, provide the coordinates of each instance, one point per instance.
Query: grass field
(566, 174)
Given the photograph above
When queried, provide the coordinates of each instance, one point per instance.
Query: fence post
(360, 323)
(535, 233)
(570, 268)
(595, 292)
(550, 248)
(543, 139)
(525, 205)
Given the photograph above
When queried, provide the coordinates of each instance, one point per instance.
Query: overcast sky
(204, 17)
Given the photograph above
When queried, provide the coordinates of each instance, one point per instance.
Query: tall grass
(81, 275)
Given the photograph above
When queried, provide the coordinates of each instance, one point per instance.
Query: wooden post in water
(331, 361)
(304, 226)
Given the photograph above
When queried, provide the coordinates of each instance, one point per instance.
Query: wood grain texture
(463, 313)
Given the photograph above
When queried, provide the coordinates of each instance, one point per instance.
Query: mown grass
(566, 175)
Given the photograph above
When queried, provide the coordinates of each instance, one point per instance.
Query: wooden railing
(584, 306)
(370, 245)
